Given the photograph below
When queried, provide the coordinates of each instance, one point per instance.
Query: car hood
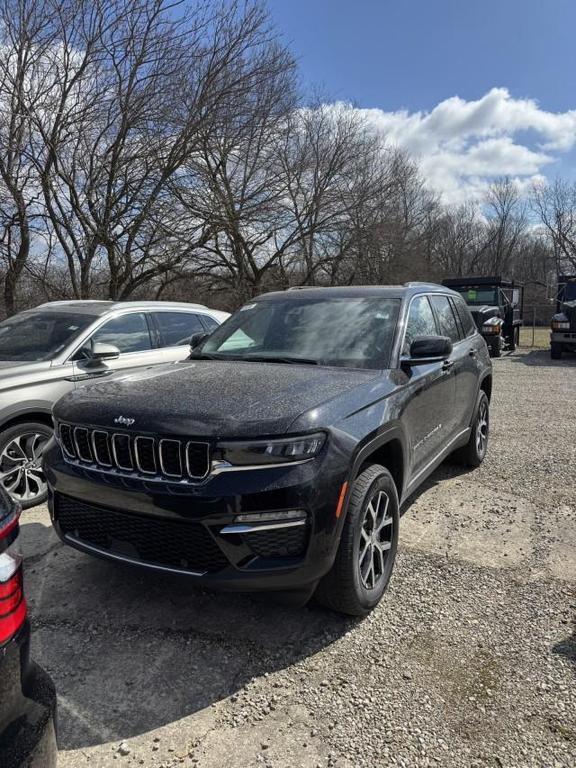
(483, 313)
(210, 398)
(569, 309)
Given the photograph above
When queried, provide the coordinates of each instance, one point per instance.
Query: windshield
(349, 332)
(478, 295)
(570, 291)
(37, 336)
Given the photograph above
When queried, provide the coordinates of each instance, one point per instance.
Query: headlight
(279, 451)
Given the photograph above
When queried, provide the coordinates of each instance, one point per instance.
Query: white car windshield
(38, 335)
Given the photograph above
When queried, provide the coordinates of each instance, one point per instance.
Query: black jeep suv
(277, 456)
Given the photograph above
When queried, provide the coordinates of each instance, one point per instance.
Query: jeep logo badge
(124, 420)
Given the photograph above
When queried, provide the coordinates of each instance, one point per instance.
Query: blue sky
(413, 55)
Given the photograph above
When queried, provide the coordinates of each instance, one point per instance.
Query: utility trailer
(497, 306)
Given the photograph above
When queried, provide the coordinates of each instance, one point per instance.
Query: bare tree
(24, 36)
(232, 182)
(127, 94)
(555, 206)
(456, 239)
(504, 231)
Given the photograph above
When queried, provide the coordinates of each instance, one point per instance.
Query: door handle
(447, 364)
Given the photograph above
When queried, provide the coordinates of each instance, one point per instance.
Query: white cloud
(463, 145)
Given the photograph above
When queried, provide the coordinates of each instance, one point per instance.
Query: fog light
(264, 517)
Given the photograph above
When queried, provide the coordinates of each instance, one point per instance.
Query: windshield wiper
(204, 356)
(280, 359)
(252, 358)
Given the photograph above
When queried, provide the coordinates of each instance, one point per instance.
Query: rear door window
(466, 319)
(176, 328)
(209, 322)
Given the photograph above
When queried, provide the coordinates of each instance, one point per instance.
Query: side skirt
(457, 442)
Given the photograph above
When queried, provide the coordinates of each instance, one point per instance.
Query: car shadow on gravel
(567, 647)
(131, 651)
(541, 358)
(446, 471)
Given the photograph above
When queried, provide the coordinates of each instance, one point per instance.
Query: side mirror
(101, 351)
(428, 349)
(198, 338)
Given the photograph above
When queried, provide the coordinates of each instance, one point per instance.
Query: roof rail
(303, 287)
(73, 301)
(421, 284)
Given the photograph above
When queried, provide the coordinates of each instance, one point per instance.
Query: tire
(496, 348)
(555, 351)
(356, 583)
(21, 474)
(474, 452)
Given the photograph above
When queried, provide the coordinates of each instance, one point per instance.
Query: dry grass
(540, 339)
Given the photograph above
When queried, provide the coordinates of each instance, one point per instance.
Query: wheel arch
(41, 416)
(486, 385)
(389, 450)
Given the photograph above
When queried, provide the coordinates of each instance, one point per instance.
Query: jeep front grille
(136, 454)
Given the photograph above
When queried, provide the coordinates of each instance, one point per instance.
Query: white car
(47, 351)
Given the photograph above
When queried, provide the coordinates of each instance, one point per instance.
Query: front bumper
(27, 707)
(193, 530)
(564, 337)
(492, 338)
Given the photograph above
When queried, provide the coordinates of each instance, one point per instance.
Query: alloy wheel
(21, 466)
(482, 428)
(375, 539)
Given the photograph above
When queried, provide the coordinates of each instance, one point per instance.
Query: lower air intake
(153, 540)
(282, 542)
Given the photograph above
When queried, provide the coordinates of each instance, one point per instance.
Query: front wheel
(368, 544)
(21, 448)
(555, 351)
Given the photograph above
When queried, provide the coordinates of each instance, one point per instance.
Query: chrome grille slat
(145, 454)
(67, 440)
(121, 443)
(142, 455)
(193, 461)
(168, 450)
(82, 442)
(100, 439)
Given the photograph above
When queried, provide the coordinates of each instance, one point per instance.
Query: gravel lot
(470, 660)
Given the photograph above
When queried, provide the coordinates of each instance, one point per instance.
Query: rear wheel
(368, 544)
(474, 452)
(555, 351)
(21, 448)
(496, 347)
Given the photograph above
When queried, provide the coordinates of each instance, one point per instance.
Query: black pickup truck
(277, 456)
(496, 306)
(563, 325)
